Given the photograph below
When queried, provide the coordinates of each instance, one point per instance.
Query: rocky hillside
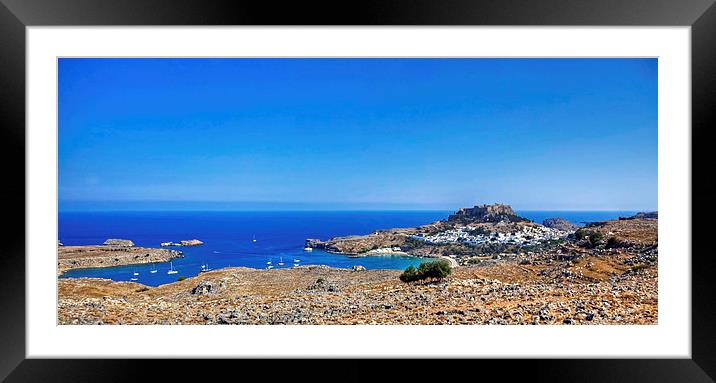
(591, 290)
(559, 224)
(635, 231)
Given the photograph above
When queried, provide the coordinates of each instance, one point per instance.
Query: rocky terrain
(76, 257)
(592, 290)
(559, 224)
(605, 273)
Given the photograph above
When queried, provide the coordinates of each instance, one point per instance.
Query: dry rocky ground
(572, 283)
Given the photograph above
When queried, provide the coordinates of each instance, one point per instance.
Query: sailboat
(204, 268)
(154, 268)
(254, 240)
(268, 263)
(171, 269)
(280, 263)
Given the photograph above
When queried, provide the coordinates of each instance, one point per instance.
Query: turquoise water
(229, 237)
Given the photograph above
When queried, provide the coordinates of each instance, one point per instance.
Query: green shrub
(142, 289)
(412, 243)
(181, 278)
(438, 269)
(595, 237)
(580, 234)
(409, 275)
(612, 242)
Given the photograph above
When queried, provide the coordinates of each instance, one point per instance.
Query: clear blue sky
(539, 134)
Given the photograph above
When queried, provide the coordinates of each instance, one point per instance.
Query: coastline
(95, 256)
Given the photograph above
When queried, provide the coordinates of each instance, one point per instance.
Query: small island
(186, 242)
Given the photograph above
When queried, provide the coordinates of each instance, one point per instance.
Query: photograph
(357, 191)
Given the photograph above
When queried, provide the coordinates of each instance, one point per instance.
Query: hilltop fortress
(486, 213)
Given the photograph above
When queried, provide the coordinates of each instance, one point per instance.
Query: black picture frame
(16, 15)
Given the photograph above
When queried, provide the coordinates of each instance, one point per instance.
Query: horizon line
(334, 210)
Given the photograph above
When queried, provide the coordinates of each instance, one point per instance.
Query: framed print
(505, 184)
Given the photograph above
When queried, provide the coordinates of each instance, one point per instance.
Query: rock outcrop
(191, 242)
(486, 213)
(113, 242)
(313, 243)
(559, 224)
(204, 287)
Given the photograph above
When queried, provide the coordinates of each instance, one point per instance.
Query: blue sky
(539, 134)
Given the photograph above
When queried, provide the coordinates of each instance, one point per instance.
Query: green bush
(181, 278)
(438, 269)
(595, 237)
(612, 242)
(412, 243)
(580, 234)
(409, 275)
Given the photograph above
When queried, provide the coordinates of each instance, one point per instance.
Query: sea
(253, 238)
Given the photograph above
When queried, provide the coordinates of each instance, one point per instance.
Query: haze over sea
(228, 236)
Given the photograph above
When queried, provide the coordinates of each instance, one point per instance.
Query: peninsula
(114, 252)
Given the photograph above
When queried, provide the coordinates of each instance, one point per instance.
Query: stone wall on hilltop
(485, 213)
